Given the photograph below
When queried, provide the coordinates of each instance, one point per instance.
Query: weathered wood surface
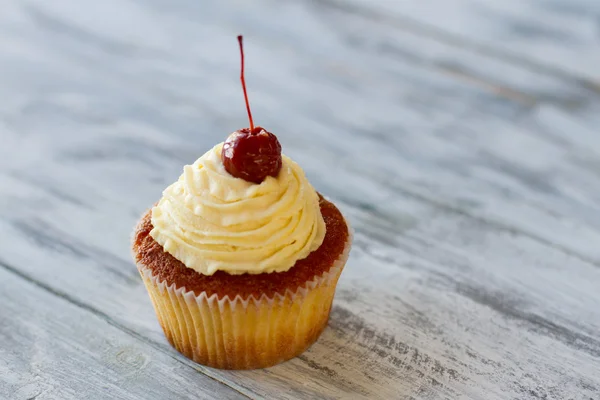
(556, 36)
(471, 178)
(54, 348)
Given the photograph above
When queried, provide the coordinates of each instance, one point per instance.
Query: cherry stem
(240, 40)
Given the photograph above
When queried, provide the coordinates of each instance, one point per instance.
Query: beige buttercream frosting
(212, 221)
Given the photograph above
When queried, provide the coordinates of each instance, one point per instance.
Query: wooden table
(460, 137)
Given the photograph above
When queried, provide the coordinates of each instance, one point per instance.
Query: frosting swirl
(212, 221)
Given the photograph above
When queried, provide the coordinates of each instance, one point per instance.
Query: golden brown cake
(278, 315)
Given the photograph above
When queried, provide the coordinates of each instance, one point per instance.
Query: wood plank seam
(182, 360)
(419, 28)
(491, 223)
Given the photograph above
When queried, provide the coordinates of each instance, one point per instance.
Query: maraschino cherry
(251, 153)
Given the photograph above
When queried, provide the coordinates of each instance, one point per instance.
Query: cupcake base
(244, 333)
(244, 321)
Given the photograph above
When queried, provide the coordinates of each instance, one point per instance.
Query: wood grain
(470, 178)
(53, 348)
(549, 36)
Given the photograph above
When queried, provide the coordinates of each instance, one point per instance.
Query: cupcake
(241, 256)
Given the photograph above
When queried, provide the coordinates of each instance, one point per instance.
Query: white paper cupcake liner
(245, 333)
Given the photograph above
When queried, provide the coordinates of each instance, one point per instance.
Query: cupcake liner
(244, 333)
